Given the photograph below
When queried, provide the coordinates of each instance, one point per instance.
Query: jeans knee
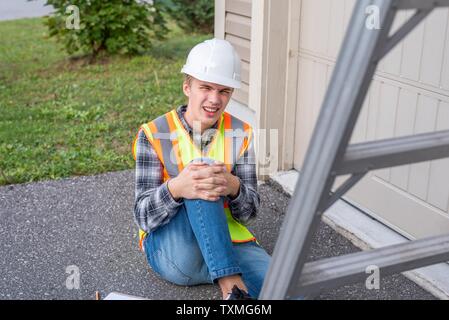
(167, 269)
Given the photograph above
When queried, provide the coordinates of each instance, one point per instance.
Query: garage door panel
(425, 121)
(319, 87)
(445, 71)
(410, 95)
(400, 210)
(304, 109)
(349, 8)
(391, 63)
(336, 28)
(373, 108)
(433, 50)
(412, 52)
(386, 119)
(406, 114)
(360, 129)
(439, 169)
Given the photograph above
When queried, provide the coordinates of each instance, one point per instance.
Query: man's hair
(188, 79)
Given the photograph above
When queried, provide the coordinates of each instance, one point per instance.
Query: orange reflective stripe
(246, 240)
(246, 140)
(228, 141)
(141, 243)
(172, 126)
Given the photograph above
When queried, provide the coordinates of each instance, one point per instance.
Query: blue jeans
(195, 248)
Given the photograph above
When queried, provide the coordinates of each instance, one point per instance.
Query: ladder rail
(386, 153)
(341, 105)
(336, 271)
(361, 51)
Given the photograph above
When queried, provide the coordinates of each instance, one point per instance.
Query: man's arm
(246, 204)
(154, 206)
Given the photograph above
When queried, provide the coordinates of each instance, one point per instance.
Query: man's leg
(254, 262)
(211, 230)
(195, 247)
(208, 222)
(173, 252)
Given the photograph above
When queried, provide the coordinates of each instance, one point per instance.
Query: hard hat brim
(236, 84)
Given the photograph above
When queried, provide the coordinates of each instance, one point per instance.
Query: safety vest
(175, 149)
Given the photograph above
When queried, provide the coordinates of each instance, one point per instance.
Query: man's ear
(186, 88)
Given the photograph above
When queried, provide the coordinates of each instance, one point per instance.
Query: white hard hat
(214, 61)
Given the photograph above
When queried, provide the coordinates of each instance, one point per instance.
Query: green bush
(112, 26)
(194, 16)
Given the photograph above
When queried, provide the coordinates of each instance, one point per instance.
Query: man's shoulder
(159, 118)
(144, 129)
(238, 122)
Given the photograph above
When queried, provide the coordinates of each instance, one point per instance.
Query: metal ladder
(329, 156)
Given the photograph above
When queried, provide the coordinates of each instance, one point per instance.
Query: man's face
(207, 101)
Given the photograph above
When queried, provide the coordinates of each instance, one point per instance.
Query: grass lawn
(61, 118)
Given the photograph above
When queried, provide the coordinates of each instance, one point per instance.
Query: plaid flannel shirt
(154, 206)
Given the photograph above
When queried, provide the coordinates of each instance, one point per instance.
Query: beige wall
(409, 94)
(233, 23)
(263, 83)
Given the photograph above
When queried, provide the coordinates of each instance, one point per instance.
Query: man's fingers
(216, 180)
(197, 166)
(210, 196)
(210, 187)
(219, 166)
(211, 170)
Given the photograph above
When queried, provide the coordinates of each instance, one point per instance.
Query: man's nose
(214, 97)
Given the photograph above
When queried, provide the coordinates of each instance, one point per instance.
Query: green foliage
(194, 16)
(113, 26)
(61, 117)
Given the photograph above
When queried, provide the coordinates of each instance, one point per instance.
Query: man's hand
(203, 181)
(232, 182)
(198, 181)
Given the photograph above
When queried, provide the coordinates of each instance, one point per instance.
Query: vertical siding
(439, 169)
(409, 94)
(238, 32)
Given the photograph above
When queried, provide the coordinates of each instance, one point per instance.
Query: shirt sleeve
(246, 205)
(154, 206)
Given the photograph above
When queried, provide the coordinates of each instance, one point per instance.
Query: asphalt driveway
(51, 228)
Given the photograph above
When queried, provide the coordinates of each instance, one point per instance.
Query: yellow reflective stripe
(187, 148)
(147, 131)
(148, 134)
(142, 235)
(134, 146)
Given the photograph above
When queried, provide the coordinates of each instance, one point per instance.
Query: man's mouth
(211, 110)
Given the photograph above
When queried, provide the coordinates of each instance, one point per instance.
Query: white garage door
(409, 94)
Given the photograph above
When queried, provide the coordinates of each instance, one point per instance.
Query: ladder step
(337, 271)
(367, 156)
(420, 4)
